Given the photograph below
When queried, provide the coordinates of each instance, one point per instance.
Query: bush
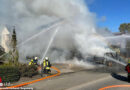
(28, 71)
(9, 73)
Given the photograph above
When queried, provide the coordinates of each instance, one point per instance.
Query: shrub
(9, 73)
(28, 71)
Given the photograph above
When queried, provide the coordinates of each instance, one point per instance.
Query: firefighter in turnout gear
(34, 61)
(46, 65)
(128, 69)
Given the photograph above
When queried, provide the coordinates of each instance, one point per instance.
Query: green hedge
(9, 73)
(28, 71)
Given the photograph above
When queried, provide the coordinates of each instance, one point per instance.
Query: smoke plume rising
(75, 39)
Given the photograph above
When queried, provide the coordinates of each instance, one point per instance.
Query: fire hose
(37, 80)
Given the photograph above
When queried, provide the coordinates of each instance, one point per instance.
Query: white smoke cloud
(33, 16)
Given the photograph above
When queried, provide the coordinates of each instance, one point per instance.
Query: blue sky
(112, 12)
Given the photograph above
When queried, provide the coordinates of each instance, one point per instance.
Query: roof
(5, 31)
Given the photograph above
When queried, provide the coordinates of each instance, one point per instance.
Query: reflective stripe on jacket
(46, 64)
(32, 62)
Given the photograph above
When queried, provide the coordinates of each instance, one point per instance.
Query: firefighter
(128, 70)
(46, 65)
(34, 61)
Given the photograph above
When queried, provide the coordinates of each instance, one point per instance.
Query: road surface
(83, 80)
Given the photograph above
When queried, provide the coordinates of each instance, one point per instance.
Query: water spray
(117, 37)
(51, 40)
(111, 37)
(43, 31)
(112, 59)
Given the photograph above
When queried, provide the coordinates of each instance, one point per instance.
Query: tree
(2, 53)
(14, 40)
(128, 48)
(125, 28)
(128, 27)
(14, 51)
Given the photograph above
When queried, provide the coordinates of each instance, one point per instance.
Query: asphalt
(110, 80)
(84, 80)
